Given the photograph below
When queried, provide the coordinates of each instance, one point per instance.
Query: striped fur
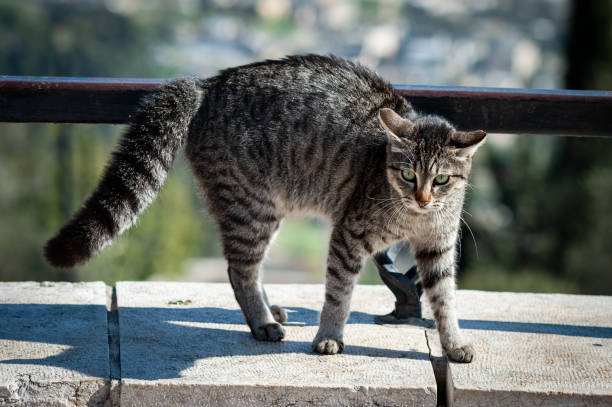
(306, 133)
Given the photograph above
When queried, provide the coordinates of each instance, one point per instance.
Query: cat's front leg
(436, 268)
(344, 261)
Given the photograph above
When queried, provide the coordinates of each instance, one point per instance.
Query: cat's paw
(279, 314)
(461, 354)
(328, 346)
(273, 332)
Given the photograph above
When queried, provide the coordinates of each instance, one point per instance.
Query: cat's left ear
(396, 126)
(467, 142)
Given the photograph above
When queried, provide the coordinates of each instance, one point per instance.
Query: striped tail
(133, 177)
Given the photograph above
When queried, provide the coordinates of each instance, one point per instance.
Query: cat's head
(428, 161)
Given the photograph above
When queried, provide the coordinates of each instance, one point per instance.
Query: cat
(304, 133)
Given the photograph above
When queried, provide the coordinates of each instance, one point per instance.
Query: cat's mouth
(424, 209)
(429, 207)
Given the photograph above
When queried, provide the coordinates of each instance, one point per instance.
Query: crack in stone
(28, 391)
(441, 370)
(114, 347)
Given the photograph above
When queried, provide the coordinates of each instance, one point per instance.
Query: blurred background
(539, 207)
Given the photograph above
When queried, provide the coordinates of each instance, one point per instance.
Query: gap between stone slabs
(114, 346)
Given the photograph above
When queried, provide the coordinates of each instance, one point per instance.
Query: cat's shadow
(159, 343)
(185, 335)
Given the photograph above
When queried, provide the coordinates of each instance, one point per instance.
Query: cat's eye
(409, 175)
(441, 179)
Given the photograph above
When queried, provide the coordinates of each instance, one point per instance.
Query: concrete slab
(53, 344)
(187, 344)
(533, 349)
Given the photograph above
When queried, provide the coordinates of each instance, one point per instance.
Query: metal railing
(496, 110)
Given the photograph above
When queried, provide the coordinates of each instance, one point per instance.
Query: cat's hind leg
(247, 226)
(280, 314)
(244, 257)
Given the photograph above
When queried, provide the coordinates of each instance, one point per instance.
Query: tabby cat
(305, 133)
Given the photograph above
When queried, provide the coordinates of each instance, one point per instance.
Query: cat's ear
(467, 142)
(395, 124)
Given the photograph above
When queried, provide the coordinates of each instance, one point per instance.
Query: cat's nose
(423, 198)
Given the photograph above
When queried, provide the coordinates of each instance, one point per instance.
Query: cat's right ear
(467, 142)
(395, 125)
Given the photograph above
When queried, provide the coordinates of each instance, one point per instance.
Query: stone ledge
(187, 344)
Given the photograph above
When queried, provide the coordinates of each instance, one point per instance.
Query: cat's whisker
(403, 212)
(383, 207)
(387, 211)
(392, 218)
(393, 223)
(390, 203)
(460, 238)
(471, 233)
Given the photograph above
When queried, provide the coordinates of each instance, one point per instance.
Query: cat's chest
(382, 233)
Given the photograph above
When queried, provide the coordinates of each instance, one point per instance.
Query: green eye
(408, 175)
(441, 179)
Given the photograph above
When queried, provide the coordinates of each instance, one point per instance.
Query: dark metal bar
(531, 111)
(71, 100)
